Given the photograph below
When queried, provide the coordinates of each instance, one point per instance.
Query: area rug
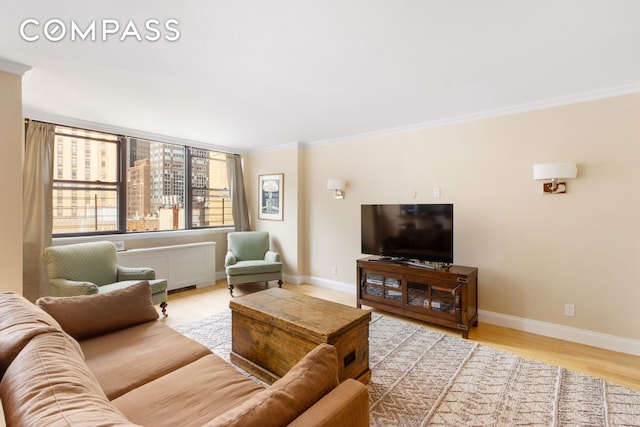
(421, 377)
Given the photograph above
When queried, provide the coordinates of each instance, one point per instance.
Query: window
(211, 205)
(155, 192)
(100, 214)
(151, 193)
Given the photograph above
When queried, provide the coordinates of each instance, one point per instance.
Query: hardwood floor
(619, 368)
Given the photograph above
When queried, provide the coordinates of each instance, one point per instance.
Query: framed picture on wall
(271, 196)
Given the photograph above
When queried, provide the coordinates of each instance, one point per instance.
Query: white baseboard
(294, 280)
(567, 333)
(330, 284)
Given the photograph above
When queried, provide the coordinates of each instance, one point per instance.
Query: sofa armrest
(347, 405)
(230, 259)
(70, 288)
(135, 273)
(272, 256)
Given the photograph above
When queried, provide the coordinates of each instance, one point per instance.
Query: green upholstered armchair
(92, 268)
(249, 259)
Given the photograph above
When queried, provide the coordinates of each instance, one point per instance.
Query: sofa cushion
(20, 321)
(139, 354)
(306, 383)
(86, 316)
(189, 396)
(48, 384)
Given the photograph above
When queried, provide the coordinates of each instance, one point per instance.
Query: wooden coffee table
(275, 328)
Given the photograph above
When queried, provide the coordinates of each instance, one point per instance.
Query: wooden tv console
(444, 296)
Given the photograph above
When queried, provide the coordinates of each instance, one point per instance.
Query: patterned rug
(421, 377)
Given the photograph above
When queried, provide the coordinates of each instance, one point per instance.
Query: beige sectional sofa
(106, 360)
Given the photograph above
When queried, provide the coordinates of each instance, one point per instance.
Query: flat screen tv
(422, 232)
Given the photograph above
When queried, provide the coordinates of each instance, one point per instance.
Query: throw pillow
(306, 383)
(86, 316)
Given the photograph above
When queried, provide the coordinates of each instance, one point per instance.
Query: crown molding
(14, 67)
(515, 109)
(280, 147)
(42, 116)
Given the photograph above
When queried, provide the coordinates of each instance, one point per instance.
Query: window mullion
(188, 184)
(122, 184)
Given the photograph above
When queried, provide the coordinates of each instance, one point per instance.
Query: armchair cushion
(86, 316)
(158, 286)
(253, 267)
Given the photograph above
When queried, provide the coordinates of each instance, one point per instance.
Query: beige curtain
(239, 209)
(37, 205)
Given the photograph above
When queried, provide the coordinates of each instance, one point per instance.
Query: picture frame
(271, 197)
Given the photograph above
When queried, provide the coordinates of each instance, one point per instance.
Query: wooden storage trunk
(273, 329)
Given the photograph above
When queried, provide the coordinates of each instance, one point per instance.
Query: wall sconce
(553, 172)
(337, 186)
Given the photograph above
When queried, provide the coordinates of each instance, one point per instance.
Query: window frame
(122, 144)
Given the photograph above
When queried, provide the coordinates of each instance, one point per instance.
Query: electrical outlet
(334, 270)
(569, 310)
(436, 192)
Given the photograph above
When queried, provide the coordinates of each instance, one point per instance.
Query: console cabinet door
(434, 297)
(376, 286)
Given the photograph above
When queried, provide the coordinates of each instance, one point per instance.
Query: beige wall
(11, 176)
(286, 237)
(534, 252)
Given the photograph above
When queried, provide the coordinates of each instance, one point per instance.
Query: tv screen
(421, 232)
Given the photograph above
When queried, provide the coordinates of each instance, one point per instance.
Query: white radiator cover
(182, 265)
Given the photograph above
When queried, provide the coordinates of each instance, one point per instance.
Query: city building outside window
(210, 202)
(152, 193)
(99, 214)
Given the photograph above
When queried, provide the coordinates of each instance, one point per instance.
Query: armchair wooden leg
(163, 306)
(230, 290)
(279, 283)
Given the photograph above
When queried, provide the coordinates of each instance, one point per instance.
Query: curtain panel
(239, 209)
(37, 184)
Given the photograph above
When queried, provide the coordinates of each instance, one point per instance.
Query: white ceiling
(257, 74)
